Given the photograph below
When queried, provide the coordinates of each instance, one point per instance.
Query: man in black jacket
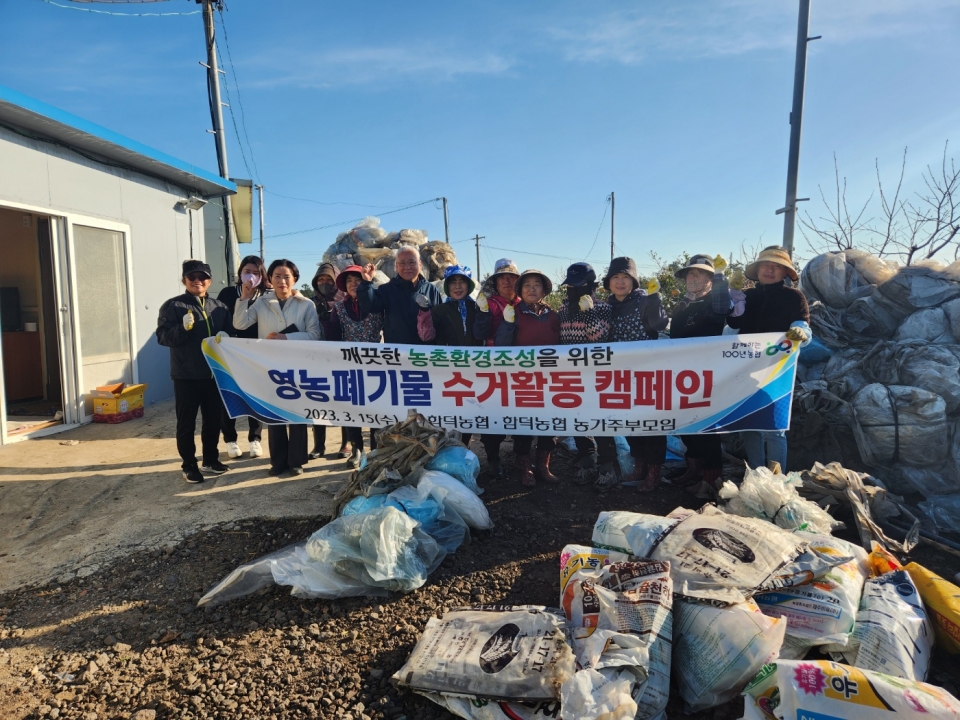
(397, 298)
(183, 324)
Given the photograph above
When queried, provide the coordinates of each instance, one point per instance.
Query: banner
(697, 385)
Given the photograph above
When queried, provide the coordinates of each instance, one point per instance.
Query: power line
(236, 85)
(116, 14)
(233, 119)
(320, 202)
(344, 222)
(597, 236)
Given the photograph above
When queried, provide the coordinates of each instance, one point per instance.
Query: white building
(93, 230)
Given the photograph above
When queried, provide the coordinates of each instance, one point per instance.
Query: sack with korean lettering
(717, 651)
(824, 610)
(492, 651)
(621, 622)
(824, 690)
(631, 533)
(483, 709)
(892, 634)
(942, 600)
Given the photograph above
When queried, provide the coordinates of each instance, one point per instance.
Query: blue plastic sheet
(458, 462)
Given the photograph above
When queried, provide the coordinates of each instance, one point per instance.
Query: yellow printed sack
(942, 599)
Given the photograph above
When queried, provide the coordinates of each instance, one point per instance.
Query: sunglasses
(194, 277)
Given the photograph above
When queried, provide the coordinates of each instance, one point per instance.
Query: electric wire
(344, 222)
(320, 202)
(116, 14)
(233, 119)
(597, 236)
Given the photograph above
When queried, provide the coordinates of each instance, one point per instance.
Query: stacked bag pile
(368, 243)
(880, 389)
(722, 601)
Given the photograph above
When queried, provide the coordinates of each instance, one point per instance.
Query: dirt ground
(69, 509)
(127, 640)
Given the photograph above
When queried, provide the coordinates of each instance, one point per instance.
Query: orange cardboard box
(118, 403)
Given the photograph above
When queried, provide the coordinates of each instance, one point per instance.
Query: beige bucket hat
(774, 254)
(697, 262)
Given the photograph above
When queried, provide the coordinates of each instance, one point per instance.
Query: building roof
(50, 123)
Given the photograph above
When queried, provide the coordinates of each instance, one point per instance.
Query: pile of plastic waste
(723, 601)
(368, 243)
(394, 526)
(879, 389)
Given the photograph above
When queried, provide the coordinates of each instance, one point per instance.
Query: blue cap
(462, 270)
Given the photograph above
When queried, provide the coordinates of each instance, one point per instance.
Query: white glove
(586, 303)
(422, 300)
(653, 287)
(798, 334)
(509, 314)
(220, 335)
(188, 320)
(482, 304)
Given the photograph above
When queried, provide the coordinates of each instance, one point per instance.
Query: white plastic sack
(823, 611)
(933, 368)
(621, 624)
(717, 651)
(451, 492)
(823, 690)
(611, 529)
(588, 695)
(918, 286)
(483, 709)
(892, 634)
(832, 280)
(774, 497)
(724, 558)
(497, 653)
(899, 423)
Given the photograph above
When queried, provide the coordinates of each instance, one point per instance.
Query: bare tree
(911, 229)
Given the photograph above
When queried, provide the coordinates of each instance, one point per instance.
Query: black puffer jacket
(448, 324)
(771, 308)
(704, 317)
(186, 357)
(395, 300)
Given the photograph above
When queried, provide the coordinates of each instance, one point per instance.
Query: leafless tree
(911, 229)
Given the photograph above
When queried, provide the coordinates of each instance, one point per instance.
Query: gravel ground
(129, 641)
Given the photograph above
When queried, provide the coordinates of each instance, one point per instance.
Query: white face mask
(250, 278)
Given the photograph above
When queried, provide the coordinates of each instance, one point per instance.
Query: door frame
(66, 294)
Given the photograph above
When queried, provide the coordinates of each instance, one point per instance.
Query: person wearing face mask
(325, 294)
(771, 306)
(351, 323)
(533, 322)
(183, 324)
(281, 314)
(584, 319)
(251, 271)
(451, 323)
(498, 291)
(702, 312)
(397, 299)
(637, 314)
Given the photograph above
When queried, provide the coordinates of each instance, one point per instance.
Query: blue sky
(524, 115)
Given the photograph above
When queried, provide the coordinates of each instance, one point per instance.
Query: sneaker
(315, 454)
(255, 449)
(233, 450)
(296, 470)
(192, 475)
(355, 457)
(214, 468)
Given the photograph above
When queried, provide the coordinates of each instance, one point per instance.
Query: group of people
(509, 309)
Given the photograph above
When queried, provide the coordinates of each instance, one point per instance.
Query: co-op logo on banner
(756, 351)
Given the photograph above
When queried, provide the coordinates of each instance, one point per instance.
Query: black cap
(622, 265)
(193, 266)
(580, 274)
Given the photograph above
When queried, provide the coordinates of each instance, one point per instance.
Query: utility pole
(477, 239)
(213, 78)
(789, 210)
(263, 255)
(613, 210)
(446, 221)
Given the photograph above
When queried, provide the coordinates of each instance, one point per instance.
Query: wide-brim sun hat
(505, 266)
(774, 254)
(697, 262)
(624, 265)
(547, 284)
(342, 277)
(464, 272)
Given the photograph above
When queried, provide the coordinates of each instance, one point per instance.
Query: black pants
(190, 396)
(523, 443)
(491, 446)
(606, 450)
(288, 445)
(706, 448)
(228, 426)
(651, 450)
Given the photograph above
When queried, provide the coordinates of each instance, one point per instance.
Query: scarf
(462, 306)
